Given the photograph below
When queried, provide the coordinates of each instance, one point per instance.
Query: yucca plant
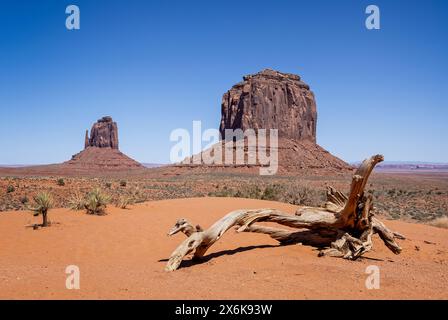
(44, 202)
(97, 202)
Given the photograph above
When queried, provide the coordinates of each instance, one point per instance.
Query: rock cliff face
(271, 100)
(104, 134)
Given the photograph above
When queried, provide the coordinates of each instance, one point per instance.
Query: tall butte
(271, 100)
(275, 100)
(101, 149)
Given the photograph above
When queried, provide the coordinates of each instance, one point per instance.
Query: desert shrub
(225, 193)
(77, 202)
(24, 200)
(97, 202)
(108, 185)
(440, 222)
(303, 195)
(124, 201)
(391, 192)
(44, 202)
(61, 182)
(137, 196)
(272, 192)
(10, 189)
(123, 183)
(290, 193)
(250, 191)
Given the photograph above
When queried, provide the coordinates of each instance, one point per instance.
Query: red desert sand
(122, 255)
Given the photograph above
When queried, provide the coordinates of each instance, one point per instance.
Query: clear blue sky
(158, 65)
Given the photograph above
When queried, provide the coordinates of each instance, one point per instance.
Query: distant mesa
(100, 156)
(101, 150)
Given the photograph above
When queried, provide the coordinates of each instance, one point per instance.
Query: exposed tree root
(343, 227)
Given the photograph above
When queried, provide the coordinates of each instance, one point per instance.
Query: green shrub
(44, 202)
(61, 182)
(123, 183)
(10, 189)
(97, 202)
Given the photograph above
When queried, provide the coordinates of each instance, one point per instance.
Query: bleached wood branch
(345, 225)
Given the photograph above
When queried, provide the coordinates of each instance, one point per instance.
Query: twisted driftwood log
(343, 227)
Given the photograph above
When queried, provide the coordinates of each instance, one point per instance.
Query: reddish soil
(294, 157)
(93, 158)
(122, 256)
(415, 197)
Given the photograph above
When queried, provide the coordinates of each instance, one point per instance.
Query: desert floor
(408, 196)
(122, 256)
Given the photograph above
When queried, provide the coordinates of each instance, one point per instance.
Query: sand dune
(121, 256)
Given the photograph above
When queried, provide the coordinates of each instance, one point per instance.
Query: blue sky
(155, 66)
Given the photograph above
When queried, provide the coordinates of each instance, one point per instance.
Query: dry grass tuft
(77, 202)
(440, 222)
(124, 201)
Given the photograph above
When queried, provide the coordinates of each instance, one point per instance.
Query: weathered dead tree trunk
(343, 227)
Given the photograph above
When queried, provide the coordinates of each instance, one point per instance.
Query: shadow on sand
(191, 262)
